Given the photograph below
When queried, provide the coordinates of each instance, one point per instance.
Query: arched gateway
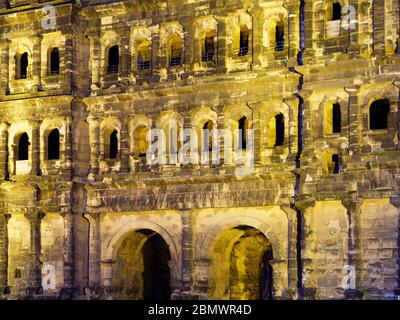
(141, 269)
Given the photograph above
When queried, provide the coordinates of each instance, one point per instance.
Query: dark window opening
(242, 132)
(114, 144)
(336, 118)
(336, 163)
(207, 142)
(113, 60)
(279, 130)
(244, 41)
(54, 62)
(23, 147)
(143, 57)
(336, 11)
(208, 54)
(279, 37)
(23, 66)
(53, 145)
(379, 114)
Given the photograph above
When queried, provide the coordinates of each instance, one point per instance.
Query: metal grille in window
(176, 57)
(112, 69)
(243, 51)
(280, 45)
(143, 65)
(208, 56)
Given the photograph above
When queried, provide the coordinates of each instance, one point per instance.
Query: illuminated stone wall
(321, 200)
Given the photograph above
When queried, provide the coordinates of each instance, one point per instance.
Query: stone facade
(83, 82)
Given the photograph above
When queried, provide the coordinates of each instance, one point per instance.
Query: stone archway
(240, 265)
(142, 267)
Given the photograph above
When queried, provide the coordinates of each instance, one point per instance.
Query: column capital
(304, 203)
(34, 215)
(351, 205)
(395, 201)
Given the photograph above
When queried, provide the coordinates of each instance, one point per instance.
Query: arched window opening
(113, 60)
(379, 114)
(208, 49)
(279, 130)
(113, 145)
(144, 55)
(53, 145)
(54, 61)
(141, 144)
(336, 11)
(335, 164)
(207, 137)
(22, 66)
(279, 36)
(175, 50)
(23, 147)
(336, 118)
(244, 41)
(243, 126)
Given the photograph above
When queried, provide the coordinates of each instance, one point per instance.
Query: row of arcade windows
(22, 63)
(53, 146)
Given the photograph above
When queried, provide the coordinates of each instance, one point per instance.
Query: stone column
(307, 131)
(188, 44)
(155, 54)
(66, 149)
(354, 46)
(68, 59)
(354, 246)
(258, 35)
(35, 148)
(35, 268)
(69, 252)
(257, 130)
(292, 138)
(36, 63)
(4, 66)
(94, 250)
(94, 138)
(292, 36)
(4, 254)
(3, 151)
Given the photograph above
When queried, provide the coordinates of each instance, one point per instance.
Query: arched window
(143, 55)
(244, 41)
(175, 50)
(54, 61)
(23, 147)
(113, 60)
(208, 47)
(336, 11)
(279, 36)
(279, 129)
(113, 145)
(207, 138)
(379, 114)
(243, 126)
(140, 142)
(22, 66)
(53, 145)
(336, 118)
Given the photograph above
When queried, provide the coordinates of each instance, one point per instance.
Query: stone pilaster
(222, 50)
(35, 148)
(187, 253)
(35, 268)
(201, 276)
(354, 46)
(68, 60)
(4, 254)
(36, 64)
(4, 66)
(95, 54)
(378, 16)
(189, 53)
(94, 138)
(94, 250)
(308, 29)
(354, 120)
(124, 145)
(66, 150)
(3, 151)
(69, 252)
(354, 245)
(292, 37)
(125, 56)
